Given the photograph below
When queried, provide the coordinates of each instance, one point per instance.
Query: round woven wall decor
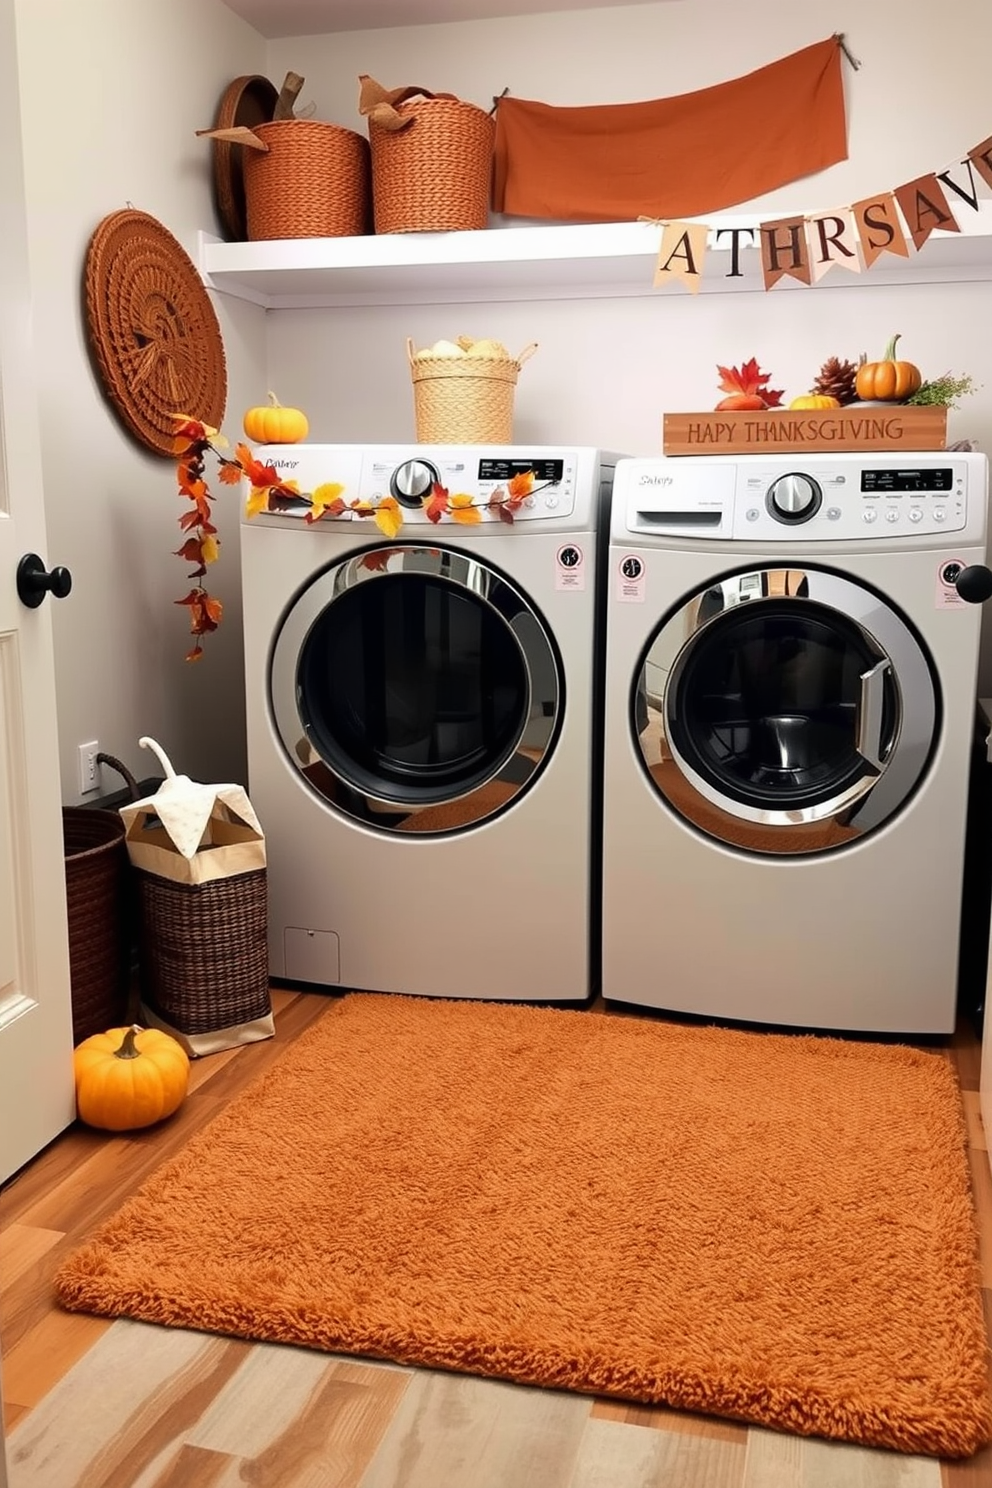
(152, 328)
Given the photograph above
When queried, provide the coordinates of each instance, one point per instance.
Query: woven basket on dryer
(464, 400)
(432, 159)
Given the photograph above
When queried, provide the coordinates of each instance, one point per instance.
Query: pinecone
(836, 379)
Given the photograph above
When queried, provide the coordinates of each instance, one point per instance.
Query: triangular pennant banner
(853, 237)
(879, 227)
(924, 206)
(832, 240)
(981, 159)
(783, 250)
(683, 248)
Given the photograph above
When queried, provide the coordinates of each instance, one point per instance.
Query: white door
(36, 1085)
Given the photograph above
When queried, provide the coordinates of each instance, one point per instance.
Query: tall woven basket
(204, 951)
(313, 181)
(98, 900)
(435, 174)
(464, 400)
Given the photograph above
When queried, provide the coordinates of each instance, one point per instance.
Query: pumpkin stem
(127, 1049)
(890, 350)
(276, 404)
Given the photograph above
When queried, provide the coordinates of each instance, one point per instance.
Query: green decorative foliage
(943, 392)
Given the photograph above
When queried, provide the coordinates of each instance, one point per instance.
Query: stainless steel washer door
(415, 689)
(785, 710)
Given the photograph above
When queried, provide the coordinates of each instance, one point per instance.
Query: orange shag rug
(773, 1228)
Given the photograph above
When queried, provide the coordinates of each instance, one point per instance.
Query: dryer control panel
(541, 482)
(812, 498)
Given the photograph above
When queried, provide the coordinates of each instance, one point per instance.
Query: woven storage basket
(98, 884)
(204, 950)
(435, 175)
(464, 400)
(314, 181)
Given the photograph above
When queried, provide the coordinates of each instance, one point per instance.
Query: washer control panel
(813, 498)
(547, 481)
(537, 483)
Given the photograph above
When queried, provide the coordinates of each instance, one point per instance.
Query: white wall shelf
(538, 263)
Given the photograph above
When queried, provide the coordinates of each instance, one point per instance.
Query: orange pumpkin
(129, 1077)
(888, 381)
(815, 400)
(276, 425)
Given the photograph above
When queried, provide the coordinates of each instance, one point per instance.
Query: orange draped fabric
(673, 157)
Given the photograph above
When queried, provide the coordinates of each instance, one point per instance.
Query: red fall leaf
(436, 504)
(747, 387)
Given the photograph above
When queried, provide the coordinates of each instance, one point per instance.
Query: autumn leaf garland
(195, 440)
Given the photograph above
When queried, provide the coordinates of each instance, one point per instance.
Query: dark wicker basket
(98, 885)
(204, 950)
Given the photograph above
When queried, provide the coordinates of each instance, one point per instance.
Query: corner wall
(111, 94)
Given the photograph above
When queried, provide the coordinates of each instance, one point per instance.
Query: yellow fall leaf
(257, 501)
(323, 497)
(209, 548)
(462, 509)
(388, 517)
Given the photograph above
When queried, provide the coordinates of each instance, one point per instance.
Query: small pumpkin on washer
(888, 381)
(273, 424)
(128, 1078)
(815, 400)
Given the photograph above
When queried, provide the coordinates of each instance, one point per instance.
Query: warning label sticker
(630, 579)
(570, 567)
(948, 571)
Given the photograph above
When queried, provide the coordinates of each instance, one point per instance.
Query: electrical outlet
(89, 770)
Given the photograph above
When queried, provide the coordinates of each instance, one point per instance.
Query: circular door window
(415, 689)
(785, 710)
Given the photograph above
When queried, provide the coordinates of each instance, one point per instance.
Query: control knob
(794, 498)
(412, 481)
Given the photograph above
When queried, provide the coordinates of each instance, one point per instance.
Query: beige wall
(606, 369)
(111, 93)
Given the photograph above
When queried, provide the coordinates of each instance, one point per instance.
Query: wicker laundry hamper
(464, 400)
(312, 180)
(99, 887)
(198, 855)
(204, 955)
(432, 160)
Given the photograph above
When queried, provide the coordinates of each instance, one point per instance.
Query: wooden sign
(788, 431)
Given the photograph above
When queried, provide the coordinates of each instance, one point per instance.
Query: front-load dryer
(420, 710)
(790, 700)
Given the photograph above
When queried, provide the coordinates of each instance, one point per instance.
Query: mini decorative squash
(888, 381)
(275, 424)
(129, 1077)
(815, 400)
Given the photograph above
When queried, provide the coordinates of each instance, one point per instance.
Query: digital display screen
(545, 471)
(898, 481)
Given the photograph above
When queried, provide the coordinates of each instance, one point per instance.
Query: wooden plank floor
(91, 1403)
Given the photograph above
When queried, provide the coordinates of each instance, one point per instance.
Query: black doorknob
(34, 582)
(974, 583)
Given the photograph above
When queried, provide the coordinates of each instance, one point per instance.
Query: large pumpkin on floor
(127, 1078)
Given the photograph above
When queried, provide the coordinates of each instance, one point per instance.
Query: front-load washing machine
(420, 712)
(790, 701)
